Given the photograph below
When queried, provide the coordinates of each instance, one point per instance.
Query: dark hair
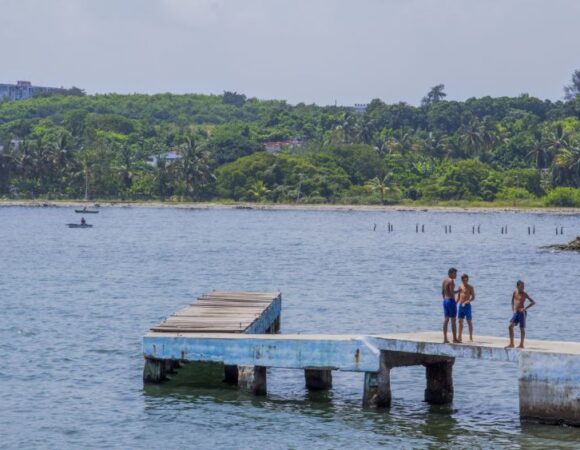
(519, 283)
(465, 276)
(452, 270)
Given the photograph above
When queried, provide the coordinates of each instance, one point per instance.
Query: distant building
(24, 89)
(360, 107)
(275, 146)
(168, 157)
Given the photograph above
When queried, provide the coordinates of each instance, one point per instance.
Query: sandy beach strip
(285, 207)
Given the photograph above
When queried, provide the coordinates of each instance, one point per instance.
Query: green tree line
(208, 147)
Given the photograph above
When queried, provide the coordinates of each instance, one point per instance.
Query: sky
(311, 51)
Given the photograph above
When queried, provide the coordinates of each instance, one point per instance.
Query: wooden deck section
(226, 312)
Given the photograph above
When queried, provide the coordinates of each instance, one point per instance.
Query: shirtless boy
(520, 313)
(449, 305)
(465, 296)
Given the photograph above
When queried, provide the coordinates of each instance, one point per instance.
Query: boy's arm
(532, 302)
(472, 294)
(513, 301)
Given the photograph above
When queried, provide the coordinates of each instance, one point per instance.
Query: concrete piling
(252, 379)
(549, 388)
(377, 388)
(318, 379)
(439, 388)
(231, 374)
(154, 371)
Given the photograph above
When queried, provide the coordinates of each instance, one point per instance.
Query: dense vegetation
(113, 146)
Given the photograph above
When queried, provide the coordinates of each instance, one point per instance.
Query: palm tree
(436, 145)
(258, 190)
(382, 185)
(568, 162)
(347, 127)
(472, 138)
(194, 166)
(538, 152)
(403, 141)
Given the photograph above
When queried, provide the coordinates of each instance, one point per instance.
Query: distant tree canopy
(202, 147)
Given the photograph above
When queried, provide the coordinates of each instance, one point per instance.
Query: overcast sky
(299, 50)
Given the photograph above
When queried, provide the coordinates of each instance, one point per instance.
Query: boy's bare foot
(456, 341)
(521, 346)
(459, 341)
(509, 346)
(446, 341)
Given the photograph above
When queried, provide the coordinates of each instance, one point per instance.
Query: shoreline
(288, 207)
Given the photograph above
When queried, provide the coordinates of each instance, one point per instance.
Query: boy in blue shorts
(449, 305)
(465, 296)
(520, 313)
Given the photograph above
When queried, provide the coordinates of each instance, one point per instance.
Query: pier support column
(171, 365)
(230, 374)
(439, 382)
(154, 371)
(550, 388)
(377, 389)
(318, 379)
(252, 379)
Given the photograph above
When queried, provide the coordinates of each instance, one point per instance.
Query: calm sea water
(75, 304)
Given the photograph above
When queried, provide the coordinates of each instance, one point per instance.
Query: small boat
(79, 225)
(86, 211)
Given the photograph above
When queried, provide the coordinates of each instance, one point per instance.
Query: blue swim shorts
(519, 318)
(464, 311)
(449, 307)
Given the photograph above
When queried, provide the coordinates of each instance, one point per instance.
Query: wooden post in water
(318, 379)
(252, 379)
(439, 388)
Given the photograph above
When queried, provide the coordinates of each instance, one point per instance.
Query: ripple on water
(80, 302)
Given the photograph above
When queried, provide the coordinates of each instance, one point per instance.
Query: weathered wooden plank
(220, 311)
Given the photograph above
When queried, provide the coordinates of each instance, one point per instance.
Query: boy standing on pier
(449, 305)
(520, 313)
(465, 296)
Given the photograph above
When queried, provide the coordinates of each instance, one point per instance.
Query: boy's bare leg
(522, 337)
(460, 334)
(470, 326)
(445, 327)
(454, 330)
(511, 330)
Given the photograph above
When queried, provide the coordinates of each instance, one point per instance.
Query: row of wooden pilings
(448, 229)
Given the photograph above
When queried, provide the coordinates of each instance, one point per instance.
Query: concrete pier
(549, 371)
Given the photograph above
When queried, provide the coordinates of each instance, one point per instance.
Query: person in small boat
(83, 221)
